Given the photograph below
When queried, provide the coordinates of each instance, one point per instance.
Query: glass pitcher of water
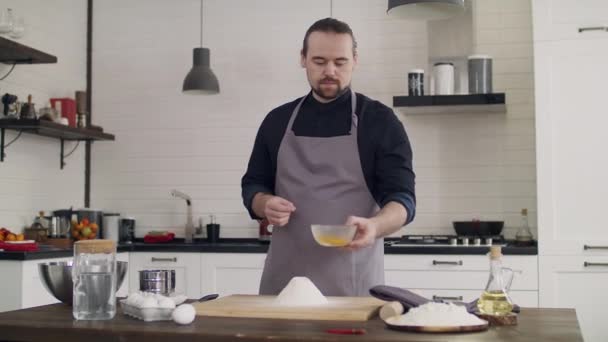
(94, 277)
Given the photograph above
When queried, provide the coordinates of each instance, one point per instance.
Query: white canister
(443, 78)
(110, 226)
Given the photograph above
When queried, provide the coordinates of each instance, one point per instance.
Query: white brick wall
(482, 165)
(30, 177)
(467, 165)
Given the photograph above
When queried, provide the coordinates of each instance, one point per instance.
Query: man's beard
(329, 93)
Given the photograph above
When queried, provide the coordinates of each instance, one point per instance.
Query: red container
(265, 231)
(67, 108)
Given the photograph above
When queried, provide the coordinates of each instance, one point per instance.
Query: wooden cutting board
(251, 306)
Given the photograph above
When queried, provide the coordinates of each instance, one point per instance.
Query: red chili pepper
(346, 331)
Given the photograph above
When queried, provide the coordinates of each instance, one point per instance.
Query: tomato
(86, 231)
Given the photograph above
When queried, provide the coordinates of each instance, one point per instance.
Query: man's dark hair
(329, 25)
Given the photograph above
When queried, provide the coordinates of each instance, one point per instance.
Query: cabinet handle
(455, 263)
(436, 298)
(174, 259)
(589, 264)
(593, 28)
(586, 247)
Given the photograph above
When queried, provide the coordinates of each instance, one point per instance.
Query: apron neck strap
(353, 105)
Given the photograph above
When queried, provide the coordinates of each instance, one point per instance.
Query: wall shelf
(440, 104)
(12, 52)
(50, 129)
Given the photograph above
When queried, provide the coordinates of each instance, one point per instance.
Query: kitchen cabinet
(187, 268)
(240, 273)
(22, 287)
(577, 282)
(558, 20)
(460, 277)
(231, 273)
(570, 75)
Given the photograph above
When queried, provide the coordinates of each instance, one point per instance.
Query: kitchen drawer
(577, 282)
(559, 245)
(528, 299)
(231, 273)
(456, 271)
(456, 262)
(186, 266)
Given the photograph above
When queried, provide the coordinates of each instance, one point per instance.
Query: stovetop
(446, 241)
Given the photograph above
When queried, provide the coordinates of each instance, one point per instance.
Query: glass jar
(94, 277)
(6, 20)
(18, 27)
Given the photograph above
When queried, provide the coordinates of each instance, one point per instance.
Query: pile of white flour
(300, 292)
(437, 314)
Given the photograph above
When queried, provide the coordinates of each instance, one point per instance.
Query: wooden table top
(55, 323)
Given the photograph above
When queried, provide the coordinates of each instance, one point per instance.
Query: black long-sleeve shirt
(384, 148)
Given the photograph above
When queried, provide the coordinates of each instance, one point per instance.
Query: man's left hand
(366, 232)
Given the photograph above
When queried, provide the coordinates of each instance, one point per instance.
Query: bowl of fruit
(14, 242)
(7, 235)
(84, 230)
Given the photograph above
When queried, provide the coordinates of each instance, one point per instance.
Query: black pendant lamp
(201, 79)
(424, 9)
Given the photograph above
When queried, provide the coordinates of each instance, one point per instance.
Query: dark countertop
(55, 323)
(253, 246)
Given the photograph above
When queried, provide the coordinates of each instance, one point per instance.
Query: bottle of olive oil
(524, 235)
(494, 300)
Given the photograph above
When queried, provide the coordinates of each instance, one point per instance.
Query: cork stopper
(495, 252)
(524, 212)
(95, 246)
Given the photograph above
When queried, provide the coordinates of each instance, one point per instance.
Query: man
(330, 157)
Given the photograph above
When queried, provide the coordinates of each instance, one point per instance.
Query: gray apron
(322, 177)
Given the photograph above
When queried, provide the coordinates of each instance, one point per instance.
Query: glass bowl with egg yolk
(333, 235)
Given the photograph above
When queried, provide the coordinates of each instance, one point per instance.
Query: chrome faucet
(190, 230)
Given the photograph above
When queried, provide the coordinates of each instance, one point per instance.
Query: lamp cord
(12, 141)
(331, 8)
(201, 23)
(8, 73)
(73, 150)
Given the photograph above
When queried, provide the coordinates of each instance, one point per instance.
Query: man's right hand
(274, 208)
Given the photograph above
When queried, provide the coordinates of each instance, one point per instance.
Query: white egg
(133, 298)
(165, 302)
(184, 314)
(148, 302)
(138, 301)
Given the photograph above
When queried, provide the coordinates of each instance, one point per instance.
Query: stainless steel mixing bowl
(57, 278)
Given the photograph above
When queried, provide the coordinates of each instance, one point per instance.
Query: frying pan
(478, 228)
